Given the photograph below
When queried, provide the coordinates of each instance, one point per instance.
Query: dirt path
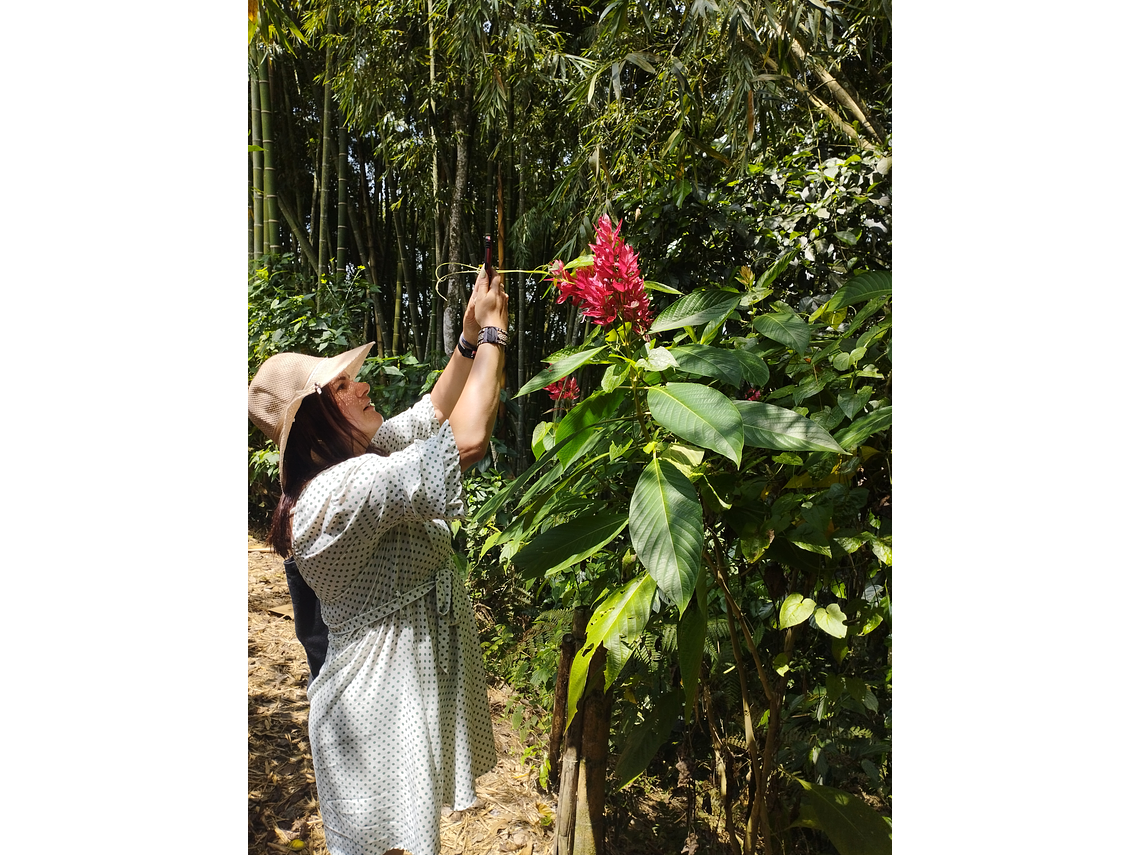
(513, 817)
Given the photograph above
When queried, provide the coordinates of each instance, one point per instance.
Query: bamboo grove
(742, 150)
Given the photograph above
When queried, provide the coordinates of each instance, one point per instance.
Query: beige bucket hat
(284, 380)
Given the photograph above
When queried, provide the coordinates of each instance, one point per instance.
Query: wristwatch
(493, 335)
(465, 348)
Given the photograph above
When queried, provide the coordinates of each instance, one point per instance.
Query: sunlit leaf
(666, 527)
(861, 288)
(560, 369)
(700, 307)
(699, 414)
(622, 615)
(578, 426)
(691, 642)
(706, 361)
(769, 426)
(830, 620)
(787, 328)
(795, 610)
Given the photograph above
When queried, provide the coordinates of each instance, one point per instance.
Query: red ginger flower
(565, 389)
(612, 287)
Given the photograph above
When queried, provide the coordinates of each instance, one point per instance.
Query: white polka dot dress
(398, 717)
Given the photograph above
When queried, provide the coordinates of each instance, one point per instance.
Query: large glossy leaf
(560, 369)
(699, 414)
(579, 424)
(647, 737)
(849, 823)
(865, 428)
(769, 426)
(707, 361)
(700, 307)
(861, 288)
(622, 615)
(785, 327)
(565, 545)
(667, 530)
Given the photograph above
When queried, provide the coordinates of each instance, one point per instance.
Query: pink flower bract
(565, 389)
(610, 289)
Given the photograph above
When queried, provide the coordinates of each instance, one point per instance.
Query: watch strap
(465, 348)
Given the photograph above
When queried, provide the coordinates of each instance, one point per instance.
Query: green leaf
(787, 328)
(691, 642)
(579, 424)
(647, 737)
(752, 367)
(795, 610)
(851, 826)
(667, 530)
(684, 457)
(699, 414)
(658, 359)
(864, 287)
(565, 545)
(830, 620)
(769, 426)
(542, 439)
(862, 430)
(560, 369)
(622, 615)
(700, 307)
(775, 269)
(706, 361)
(852, 402)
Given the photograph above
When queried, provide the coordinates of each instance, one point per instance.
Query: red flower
(612, 287)
(565, 389)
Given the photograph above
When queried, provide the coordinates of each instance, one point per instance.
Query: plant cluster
(721, 502)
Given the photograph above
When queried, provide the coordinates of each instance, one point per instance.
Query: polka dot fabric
(398, 717)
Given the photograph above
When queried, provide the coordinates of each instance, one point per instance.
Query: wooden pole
(561, 689)
(564, 821)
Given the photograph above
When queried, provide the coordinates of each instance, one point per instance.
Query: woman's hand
(487, 306)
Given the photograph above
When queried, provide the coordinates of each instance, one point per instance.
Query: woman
(398, 716)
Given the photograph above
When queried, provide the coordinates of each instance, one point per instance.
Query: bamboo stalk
(597, 705)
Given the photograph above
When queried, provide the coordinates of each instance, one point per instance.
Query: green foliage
(698, 492)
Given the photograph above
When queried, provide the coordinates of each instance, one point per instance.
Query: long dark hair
(320, 437)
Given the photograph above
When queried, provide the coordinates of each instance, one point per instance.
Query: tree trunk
(299, 235)
(322, 215)
(456, 292)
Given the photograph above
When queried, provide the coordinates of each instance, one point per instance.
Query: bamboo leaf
(849, 823)
(698, 308)
(861, 288)
(699, 414)
(787, 328)
(559, 369)
(565, 545)
(707, 361)
(667, 531)
(769, 426)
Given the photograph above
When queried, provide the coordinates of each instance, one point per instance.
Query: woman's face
(352, 398)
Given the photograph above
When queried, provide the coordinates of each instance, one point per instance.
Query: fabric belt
(443, 580)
